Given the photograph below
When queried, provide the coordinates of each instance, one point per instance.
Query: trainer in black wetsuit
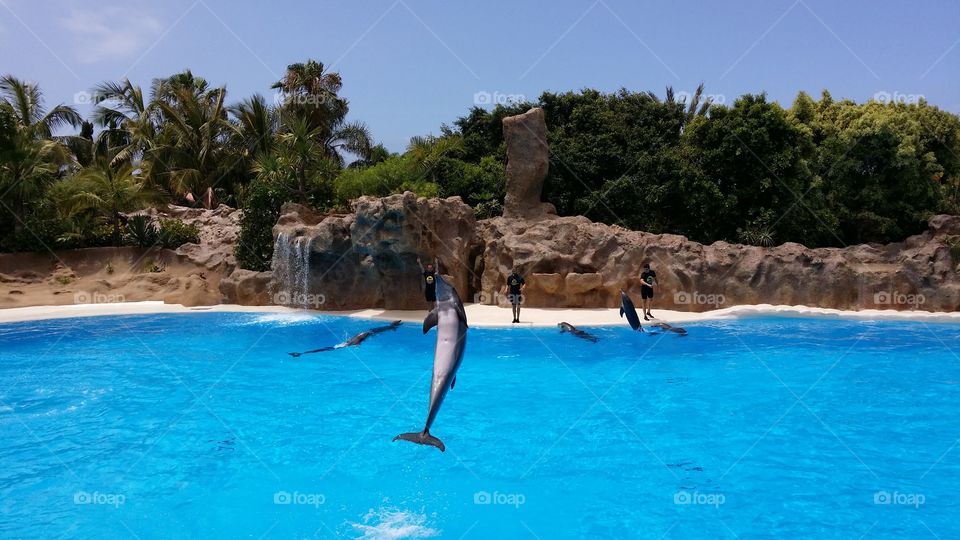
(429, 282)
(515, 285)
(648, 278)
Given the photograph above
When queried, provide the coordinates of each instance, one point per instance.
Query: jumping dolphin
(354, 341)
(626, 307)
(668, 328)
(451, 322)
(567, 327)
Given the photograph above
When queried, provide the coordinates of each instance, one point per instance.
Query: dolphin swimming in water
(354, 341)
(567, 327)
(451, 322)
(626, 307)
(668, 328)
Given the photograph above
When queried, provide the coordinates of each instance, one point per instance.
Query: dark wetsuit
(648, 276)
(514, 282)
(429, 286)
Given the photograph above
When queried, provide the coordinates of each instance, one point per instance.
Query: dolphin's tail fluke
(421, 437)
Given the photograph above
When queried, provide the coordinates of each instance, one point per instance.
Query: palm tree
(309, 92)
(428, 151)
(254, 127)
(32, 119)
(179, 138)
(299, 163)
(36, 156)
(696, 106)
(129, 122)
(191, 150)
(108, 191)
(83, 146)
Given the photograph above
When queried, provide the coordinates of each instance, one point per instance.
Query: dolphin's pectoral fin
(621, 312)
(453, 383)
(430, 321)
(421, 437)
(294, 354)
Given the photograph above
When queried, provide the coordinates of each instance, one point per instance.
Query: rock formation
(369, 258)
(573, 262)
(189, 275)
(528, 161)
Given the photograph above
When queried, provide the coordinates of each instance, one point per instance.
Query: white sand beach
(480, 315)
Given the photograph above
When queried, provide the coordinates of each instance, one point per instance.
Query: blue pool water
(200, 425)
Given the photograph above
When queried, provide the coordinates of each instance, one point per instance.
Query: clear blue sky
(411, 65)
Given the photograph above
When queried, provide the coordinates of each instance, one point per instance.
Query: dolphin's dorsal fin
(430, 321)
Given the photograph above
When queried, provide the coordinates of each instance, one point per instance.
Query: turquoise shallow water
(201, 425)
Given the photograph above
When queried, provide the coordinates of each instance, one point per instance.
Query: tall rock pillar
(528, 161)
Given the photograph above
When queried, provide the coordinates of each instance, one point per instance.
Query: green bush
(261, 201)
(394, 175)
(488, 209)
(36, 235)
(141, 231)
(173, 233)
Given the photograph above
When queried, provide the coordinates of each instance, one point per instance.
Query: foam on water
(283, 319)
(394, 524)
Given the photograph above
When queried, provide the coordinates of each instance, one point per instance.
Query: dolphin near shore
(567, 327)
(451, 322)
(626, 308)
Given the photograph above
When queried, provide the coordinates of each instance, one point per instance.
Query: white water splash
(282, 319)
(391, 524)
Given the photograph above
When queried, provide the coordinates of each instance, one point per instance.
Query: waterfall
(291, 270)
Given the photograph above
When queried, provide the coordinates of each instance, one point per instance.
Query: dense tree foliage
(821, 172)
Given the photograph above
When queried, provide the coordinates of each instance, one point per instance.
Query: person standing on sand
(514, 288)
(429, 283)
(648, 279)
